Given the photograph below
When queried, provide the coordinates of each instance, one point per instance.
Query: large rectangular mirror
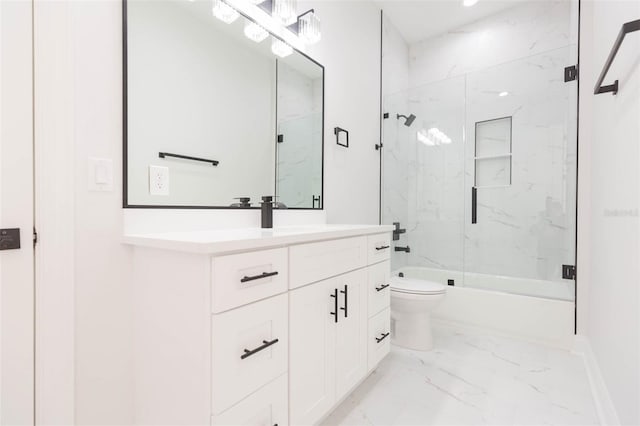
(212, 116)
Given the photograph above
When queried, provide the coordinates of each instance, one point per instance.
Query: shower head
(408, 121)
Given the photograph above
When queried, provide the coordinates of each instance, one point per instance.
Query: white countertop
(233, 240)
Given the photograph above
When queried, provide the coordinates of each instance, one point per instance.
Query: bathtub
(541, 311)
(559, 290)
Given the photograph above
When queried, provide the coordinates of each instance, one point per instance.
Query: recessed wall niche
(493, 152)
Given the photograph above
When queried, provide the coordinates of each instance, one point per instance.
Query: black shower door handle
(474, 204)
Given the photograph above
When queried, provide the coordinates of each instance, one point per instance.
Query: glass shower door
(521, 176)
(423, 178)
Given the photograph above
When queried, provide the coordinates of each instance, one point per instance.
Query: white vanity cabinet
(332, 356)
(277, 332)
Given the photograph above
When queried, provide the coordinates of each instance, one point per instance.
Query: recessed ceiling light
(469, 3)
(503, 94)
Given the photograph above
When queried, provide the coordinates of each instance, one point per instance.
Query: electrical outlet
(158, 180)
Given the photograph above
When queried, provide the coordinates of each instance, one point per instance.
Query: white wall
(350, 51)
(609, 271)
(80, 84)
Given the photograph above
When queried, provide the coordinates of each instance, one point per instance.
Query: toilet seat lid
(416, 286)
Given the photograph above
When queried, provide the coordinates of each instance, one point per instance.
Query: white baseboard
(604, 405)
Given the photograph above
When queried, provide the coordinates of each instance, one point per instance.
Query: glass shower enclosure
(484, 178)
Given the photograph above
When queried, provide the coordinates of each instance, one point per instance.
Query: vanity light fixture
(285, 11)
(224, 12)
(254, 31)
(280, 48)
(469, 3)
(307, 27)
(282, 15)
(503, 94)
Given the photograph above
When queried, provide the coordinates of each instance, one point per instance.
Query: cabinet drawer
(378, 248)
(379, 287)
(239, 279)
(317, 261)
(249, 349)
(379, 338)
(266, 407)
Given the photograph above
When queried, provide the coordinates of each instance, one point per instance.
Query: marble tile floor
(473, 378)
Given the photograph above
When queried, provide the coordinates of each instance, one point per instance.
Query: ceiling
(421, 19)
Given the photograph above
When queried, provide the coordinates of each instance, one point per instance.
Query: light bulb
(224, 12)
(309, 28)
(285, 11)
(280, 48)
(255, 32)
(503, 94)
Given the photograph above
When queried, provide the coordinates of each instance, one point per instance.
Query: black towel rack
(627, 28)
(186, 157)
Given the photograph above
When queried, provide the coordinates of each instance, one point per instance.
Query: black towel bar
(186, 157)
(627, 28)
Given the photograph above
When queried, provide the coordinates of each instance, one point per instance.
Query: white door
(351, 332)
(312, 328)
(16, 211)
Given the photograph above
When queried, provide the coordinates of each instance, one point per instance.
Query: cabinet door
(249, 350)
(379, 287)
(351, 331)
(379, 337)
(312, 337)
(265, 407)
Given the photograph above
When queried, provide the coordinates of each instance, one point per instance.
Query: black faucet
(406, 249)
(397, 231)
(267, 211)
(245, 202)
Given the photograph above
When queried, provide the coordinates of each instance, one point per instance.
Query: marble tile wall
(526, 229)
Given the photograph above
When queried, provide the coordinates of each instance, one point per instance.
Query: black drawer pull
(380, 339)
(335, 305)
(259, 277)
(346, 302)
(382, 248)
(382, 287)
(247, 353)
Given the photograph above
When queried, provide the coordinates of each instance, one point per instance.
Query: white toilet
(412, 301)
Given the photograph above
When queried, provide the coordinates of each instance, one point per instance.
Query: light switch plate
(100, 174)
(158, 180)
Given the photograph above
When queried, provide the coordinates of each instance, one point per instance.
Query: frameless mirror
(212, 116)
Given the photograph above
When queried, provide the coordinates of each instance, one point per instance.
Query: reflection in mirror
(299, 148)
(197, 88)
